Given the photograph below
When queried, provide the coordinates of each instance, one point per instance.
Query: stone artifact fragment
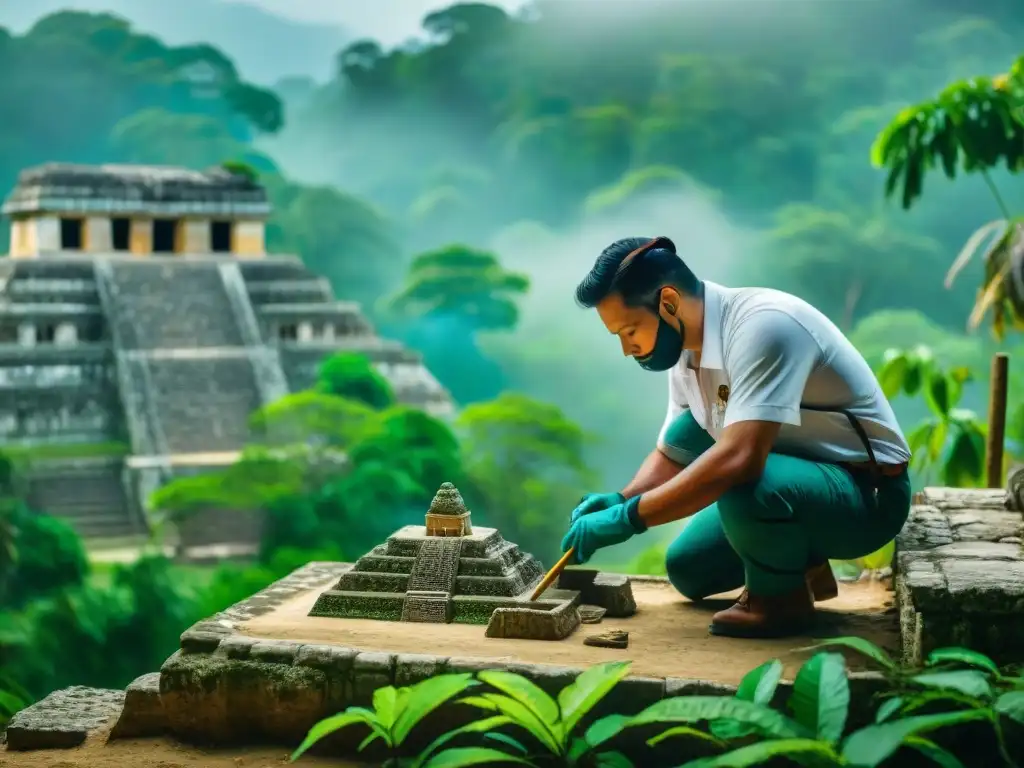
(591, 614)
(64, 719)
(613, 638)
(611, 591)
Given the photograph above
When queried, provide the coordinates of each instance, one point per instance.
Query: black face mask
(668, 347)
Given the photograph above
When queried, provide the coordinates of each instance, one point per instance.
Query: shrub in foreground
(958, 710)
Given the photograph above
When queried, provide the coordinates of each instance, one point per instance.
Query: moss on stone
(349, 605)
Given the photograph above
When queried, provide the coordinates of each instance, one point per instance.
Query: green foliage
(952, 440)
(49, 556)
(956, 689)
(86, 75)
(349, 241)
(259, 478)
(836, 259)
(396, 712)
(641, 185)
(524, 460)
(973, 124)
(353, 377)
(462, 283)
(976, 125)
(314, 417)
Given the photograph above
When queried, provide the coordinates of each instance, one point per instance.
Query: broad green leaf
(461, 757)
(604, 729)
(694, 709)
(821, 696)
(965, 461)
(525, 692)
(477, 726)
(508, 741)
(688, 732)
(612, 760)
(521, 715)
(888, 709)
(759, 684)
(372, 737)
(937, 439)
(860, 645)
(384, 701)
(425, 697)
(961, 374)
(969, 682)
(796, 750)
(913, 377)
(947, 696)
(880, 559)
(937, 394)
(592, 685)
(9, 703)
(1011, 705)
(329, 725)
(941, 757)
(961, 656)
(577, 748)
(872, 745)
(892, 373)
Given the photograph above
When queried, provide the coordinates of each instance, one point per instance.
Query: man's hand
(594, 502)
(600, 528)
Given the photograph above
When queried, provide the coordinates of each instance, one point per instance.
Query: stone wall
(960, 575)
(51, 398)
(223, 687)
(92, 494)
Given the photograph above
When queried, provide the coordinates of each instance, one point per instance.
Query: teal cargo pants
(766, 534)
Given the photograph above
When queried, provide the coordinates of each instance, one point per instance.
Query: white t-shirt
(769, 353)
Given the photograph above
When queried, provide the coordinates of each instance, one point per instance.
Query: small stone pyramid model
(448, 515)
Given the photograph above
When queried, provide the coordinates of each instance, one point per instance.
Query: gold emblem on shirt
(718, 415)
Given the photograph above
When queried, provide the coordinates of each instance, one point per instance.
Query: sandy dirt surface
(159, 753)
(668, 636)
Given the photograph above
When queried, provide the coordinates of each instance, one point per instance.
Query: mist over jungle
(740, 129)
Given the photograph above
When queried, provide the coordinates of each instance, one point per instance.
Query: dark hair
(637, 268)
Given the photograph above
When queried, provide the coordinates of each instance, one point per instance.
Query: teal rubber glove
(594, 502)
(599, 529)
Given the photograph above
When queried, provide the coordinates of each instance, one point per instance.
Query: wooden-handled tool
(551, 575)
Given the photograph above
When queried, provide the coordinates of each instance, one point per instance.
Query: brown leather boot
(822, 583)
(766, 617)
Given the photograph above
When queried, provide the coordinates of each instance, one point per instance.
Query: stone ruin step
(959, 575)
(64, 719)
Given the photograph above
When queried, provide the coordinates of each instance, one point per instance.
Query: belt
(885, 470)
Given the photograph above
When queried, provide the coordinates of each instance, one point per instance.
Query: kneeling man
(778, 443)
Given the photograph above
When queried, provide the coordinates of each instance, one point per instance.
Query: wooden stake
(996, 420)
(549, 579)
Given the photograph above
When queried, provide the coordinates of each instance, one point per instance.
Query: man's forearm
(698, 486)
(656, 470)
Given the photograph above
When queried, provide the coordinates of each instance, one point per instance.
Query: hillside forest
(460, 185)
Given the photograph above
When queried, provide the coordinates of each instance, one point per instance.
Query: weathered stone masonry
(139, 307)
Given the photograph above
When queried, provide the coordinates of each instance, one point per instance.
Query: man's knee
(689, 571)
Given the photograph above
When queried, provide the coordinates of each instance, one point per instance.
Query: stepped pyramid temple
(138, 308)
(448, 571)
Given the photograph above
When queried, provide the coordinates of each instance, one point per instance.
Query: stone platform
(960, 575)
(265, 670)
